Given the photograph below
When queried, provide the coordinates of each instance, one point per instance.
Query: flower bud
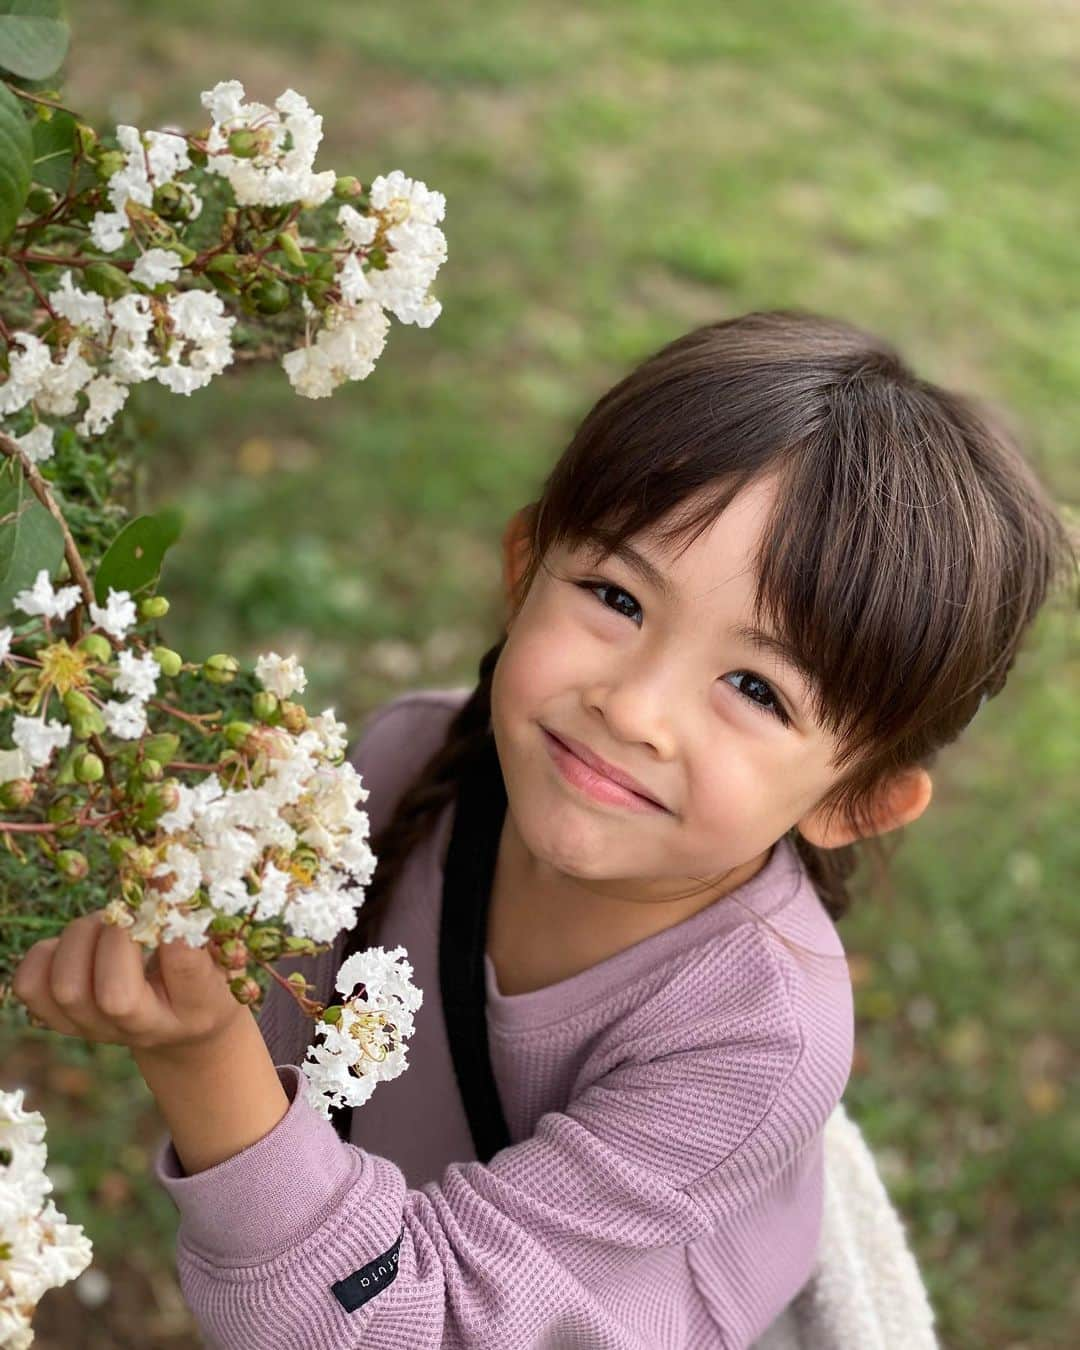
(264, 705)
(89, 768)
(87, 138)
(323, 269)
(294, 945)
(317, 291)
(294, 716)
(71, 864)
(270, 295)
(110, 162)
(16, 793)
(224, 925)
(220, 668)
(332, 1014)
(141, 860)
(97, 646)
(296, 979)
(228, 263)
(347, 186)
(290, 246)
(237, 732)
(235, 954)
(153, 607)
(86, 725)
(162, 746)
(107, 280)
(265, 944)
(243, 143)
(162, 797)
(120, 845)
(40, 199)
(245, 989)
(77, 704)
(61, 810)
(169, 661)
(151, 770)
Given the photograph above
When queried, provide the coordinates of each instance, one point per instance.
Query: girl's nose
(638, 710)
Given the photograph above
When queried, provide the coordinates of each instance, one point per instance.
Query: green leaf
(133, 559)
(54, 143)
(16, 156)
(34, 37)
(30, 538)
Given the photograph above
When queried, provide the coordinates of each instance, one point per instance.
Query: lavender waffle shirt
(664, 1184)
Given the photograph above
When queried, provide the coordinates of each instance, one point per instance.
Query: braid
(420, 804)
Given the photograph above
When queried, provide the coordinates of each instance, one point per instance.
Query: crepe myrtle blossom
(42, 599)
(151, 160)
(39, 1249)
(38, 738)
(282, 675)
(116, 616)
(276, 147)
(364, 1036)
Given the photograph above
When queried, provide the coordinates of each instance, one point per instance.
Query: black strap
(479, 811)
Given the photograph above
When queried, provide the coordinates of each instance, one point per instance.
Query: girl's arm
(217, 1098)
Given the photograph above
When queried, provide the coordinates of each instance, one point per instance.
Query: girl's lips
(592, 782)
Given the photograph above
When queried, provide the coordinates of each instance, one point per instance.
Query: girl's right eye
(608, 586)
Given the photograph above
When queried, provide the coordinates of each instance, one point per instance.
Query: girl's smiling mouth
(592, 782)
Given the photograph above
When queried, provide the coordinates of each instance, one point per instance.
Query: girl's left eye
(774, 709)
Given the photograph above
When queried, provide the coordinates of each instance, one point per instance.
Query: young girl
(772, 575)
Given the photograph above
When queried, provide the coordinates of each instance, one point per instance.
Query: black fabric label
(355, 1290)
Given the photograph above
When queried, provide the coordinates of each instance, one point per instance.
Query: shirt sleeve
(301, 1240)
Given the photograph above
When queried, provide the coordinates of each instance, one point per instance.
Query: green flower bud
(110, 162)
(347, 187)
(270, 295)
(60, 810)
(162, 746)
(226, 285)
(97, 646)
(89, 768)
(332, 1014)
(245, 990)
(244, 143)
(228, 263)
(317, 291)
(169, 661)
(107, 280)
(164, 796)
(87, 138)
(39, 199)
(296, 979)
(237, 732)
(224, 925)
(85, 725)
(77, 704)
(71, 864)
(290, 246)
(16, 794)
(151, 771)
(171, 202)
(302, 946)
(119, 847)
(264, 705)
(265, 944)
(323, 269)
(234, 952)
(220, 668)
(153, 607)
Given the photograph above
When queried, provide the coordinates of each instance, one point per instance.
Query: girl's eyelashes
(771, 710)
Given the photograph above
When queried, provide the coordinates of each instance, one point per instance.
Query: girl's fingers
(71, 978)
(30, 985)
(120, 989)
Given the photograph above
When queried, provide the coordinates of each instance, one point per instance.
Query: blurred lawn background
(615, 174)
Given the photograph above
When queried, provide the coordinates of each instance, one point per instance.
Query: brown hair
(909, 548)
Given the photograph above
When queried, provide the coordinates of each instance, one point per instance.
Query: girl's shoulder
(396, 740)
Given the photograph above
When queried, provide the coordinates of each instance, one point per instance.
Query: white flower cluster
(366, 1044)
(39, 1249)
(284, 142)
(152, 161)
(35, 738)
(220, 839)
(353, 333)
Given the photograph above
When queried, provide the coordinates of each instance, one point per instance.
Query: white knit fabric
(866, 1292)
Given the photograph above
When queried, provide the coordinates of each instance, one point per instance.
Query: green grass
(615, 174)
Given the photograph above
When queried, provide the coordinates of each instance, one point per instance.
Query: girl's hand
(94, 982)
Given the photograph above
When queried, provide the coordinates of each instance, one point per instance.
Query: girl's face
(660, 685)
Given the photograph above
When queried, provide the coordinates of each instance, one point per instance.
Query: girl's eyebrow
(776, 646)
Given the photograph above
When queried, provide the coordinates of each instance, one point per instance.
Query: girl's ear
(901, 800)
(516, 544)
